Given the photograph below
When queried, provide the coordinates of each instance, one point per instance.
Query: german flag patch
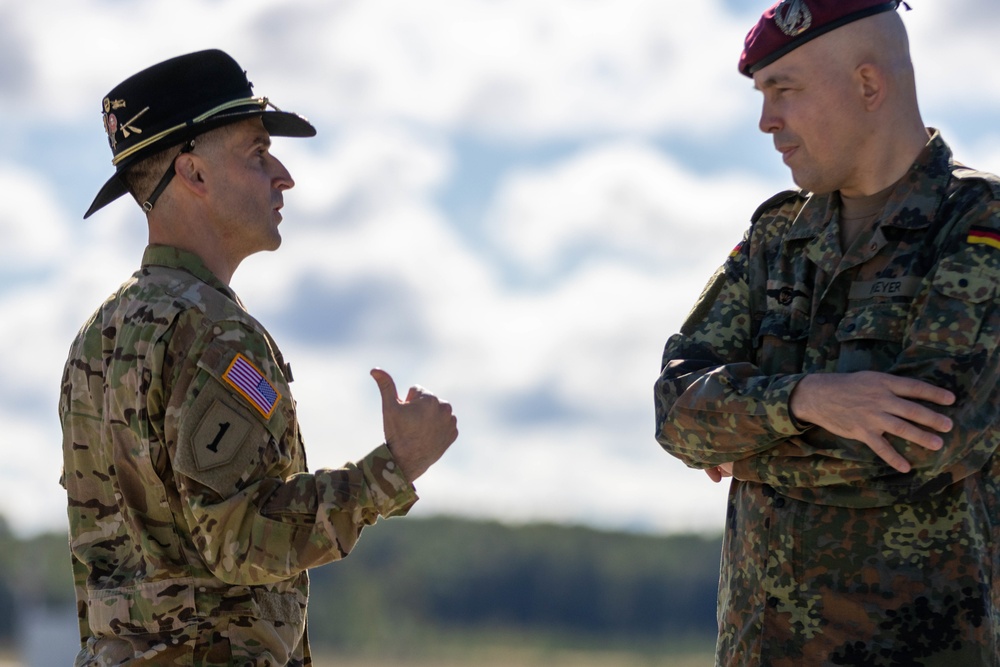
(985, 236)
(251, 383)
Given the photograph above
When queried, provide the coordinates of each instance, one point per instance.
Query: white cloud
(364, 167)
(30, 496)
(626, 200)
(517, 68)
(953, 45)
(32, 226)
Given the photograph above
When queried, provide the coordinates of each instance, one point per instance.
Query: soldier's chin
(812, 185)
(271, 243)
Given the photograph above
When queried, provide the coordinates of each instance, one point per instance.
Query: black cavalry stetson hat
(176, 100)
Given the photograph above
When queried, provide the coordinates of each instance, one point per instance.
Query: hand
(716, 473)
(867, 405)
(417, 430)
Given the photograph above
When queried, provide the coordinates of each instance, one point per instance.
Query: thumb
(386, 386)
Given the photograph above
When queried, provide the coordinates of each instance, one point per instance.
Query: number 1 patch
(219, 436)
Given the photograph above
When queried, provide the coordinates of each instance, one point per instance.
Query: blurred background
(512, 203)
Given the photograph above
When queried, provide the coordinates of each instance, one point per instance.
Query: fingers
(908, 421)
(919, 390)
(885, 451)
(386, 387)
(921, 415)
(871, 406)
(909, 432)
(717, 473)
(417, 430)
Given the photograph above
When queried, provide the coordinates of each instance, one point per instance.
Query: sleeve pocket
(953, 315)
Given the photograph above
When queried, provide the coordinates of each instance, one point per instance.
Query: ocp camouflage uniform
(830, 556)
(192, 516)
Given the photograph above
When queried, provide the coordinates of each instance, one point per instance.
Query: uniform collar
(175, 258)
(912, 205)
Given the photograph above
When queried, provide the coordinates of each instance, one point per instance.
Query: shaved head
(842, 107)
(879, 41)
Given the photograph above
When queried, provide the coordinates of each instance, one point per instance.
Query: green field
(520, 658)
(495, 648)
(497, 655)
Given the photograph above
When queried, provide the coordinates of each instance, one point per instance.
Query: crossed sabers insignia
(128, 127)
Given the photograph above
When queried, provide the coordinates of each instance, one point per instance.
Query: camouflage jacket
(830, 556)
(192, 515)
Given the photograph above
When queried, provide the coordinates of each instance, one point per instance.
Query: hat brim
(277, 123)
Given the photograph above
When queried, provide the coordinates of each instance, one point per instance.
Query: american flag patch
(246, 379)
(984, 235)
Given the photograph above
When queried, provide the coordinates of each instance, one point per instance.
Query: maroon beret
(791, 23)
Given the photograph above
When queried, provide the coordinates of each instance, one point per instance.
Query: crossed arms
(870, 437)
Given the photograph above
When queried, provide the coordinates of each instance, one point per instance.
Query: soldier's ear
(871, 85)
(190, 173)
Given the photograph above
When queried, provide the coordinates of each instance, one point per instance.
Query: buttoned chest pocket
(953, 314)
(780, 343)
(871, 337)
(782, 328)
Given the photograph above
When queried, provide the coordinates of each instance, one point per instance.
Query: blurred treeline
(411, 583)
(34, 573)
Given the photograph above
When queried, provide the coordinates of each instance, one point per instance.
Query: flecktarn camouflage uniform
(830, 556)
(192, 515)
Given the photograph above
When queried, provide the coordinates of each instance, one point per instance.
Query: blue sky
(513, 203)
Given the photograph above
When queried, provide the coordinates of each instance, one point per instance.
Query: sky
(513, 203)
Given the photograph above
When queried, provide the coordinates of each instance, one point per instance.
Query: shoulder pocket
(953, 313)
(218, 361)
(220, 443)
(225, 442)
(967, 284)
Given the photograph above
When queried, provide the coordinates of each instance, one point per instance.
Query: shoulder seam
(179, 288)
(776, 200)
(992, 181)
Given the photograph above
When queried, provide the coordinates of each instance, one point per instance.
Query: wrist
(797, 407)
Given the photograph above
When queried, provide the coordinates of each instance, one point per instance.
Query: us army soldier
(193, 518)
